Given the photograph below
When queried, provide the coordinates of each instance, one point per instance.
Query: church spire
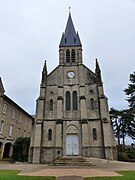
(70, 37)
(44, 75)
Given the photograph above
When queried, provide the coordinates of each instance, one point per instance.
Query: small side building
(14, 122)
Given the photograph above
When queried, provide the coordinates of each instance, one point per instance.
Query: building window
(67, 100)
(4, 108)
(19, 131)
(13, 114)
(94, 134)
(49, 134)
(51, 105)
(75, 105)
(20, 118)
(92, 104)
(10, 130)
(73, 55)
(24, 133)
(1, 126)
(68, 56)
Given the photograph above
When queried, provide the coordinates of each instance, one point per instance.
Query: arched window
(73, 55)
(94, 134)
(49, 135)
(75, 105)
(11, 130)
(67, 101)
(68, 56)
(51, 105)
(92, 104)
(1, 126)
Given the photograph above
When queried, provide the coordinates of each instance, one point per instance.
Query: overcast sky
(30, 33)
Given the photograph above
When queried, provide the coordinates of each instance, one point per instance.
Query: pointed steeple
(70, 37)
(98, 72)
(1, 87)
(44, 75)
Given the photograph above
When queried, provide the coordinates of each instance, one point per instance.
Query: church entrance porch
(72, 145)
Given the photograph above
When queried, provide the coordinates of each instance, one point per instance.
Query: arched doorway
(72, 141)
(7, 150)
(72, 147)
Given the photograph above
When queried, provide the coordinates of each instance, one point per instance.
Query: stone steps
(72, 161)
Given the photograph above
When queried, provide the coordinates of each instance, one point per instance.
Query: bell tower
(70, 48)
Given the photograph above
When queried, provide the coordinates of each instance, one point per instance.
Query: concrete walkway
(72, 172)
(102, 168)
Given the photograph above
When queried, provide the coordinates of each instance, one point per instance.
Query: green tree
(21, 148)
(130, 91)
(116, 122)
(128, 125)
(123, 124)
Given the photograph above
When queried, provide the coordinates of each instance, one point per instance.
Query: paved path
(69, 178)
(102, 168)
(72, 172)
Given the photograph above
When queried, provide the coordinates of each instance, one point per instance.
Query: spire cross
(69, 9)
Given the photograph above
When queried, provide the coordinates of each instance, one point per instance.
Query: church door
(72, 147)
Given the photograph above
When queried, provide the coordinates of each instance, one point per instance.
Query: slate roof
(70, 37)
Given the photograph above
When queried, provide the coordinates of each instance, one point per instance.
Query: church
(72, 116)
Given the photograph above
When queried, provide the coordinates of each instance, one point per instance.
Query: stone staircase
(72, 161)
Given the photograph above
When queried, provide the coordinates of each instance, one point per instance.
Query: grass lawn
(12, 175)
(127, 175)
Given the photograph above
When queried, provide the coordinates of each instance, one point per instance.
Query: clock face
(71, 74)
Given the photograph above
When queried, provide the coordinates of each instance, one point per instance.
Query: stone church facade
(72, 117)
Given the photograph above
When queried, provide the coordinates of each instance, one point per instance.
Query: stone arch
(71, 129)
(8, 150)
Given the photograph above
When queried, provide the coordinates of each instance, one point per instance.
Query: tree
(128, 125)
(116, 122)
(129, 118)
(123, 124)
(21, 148)
(130, 91)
